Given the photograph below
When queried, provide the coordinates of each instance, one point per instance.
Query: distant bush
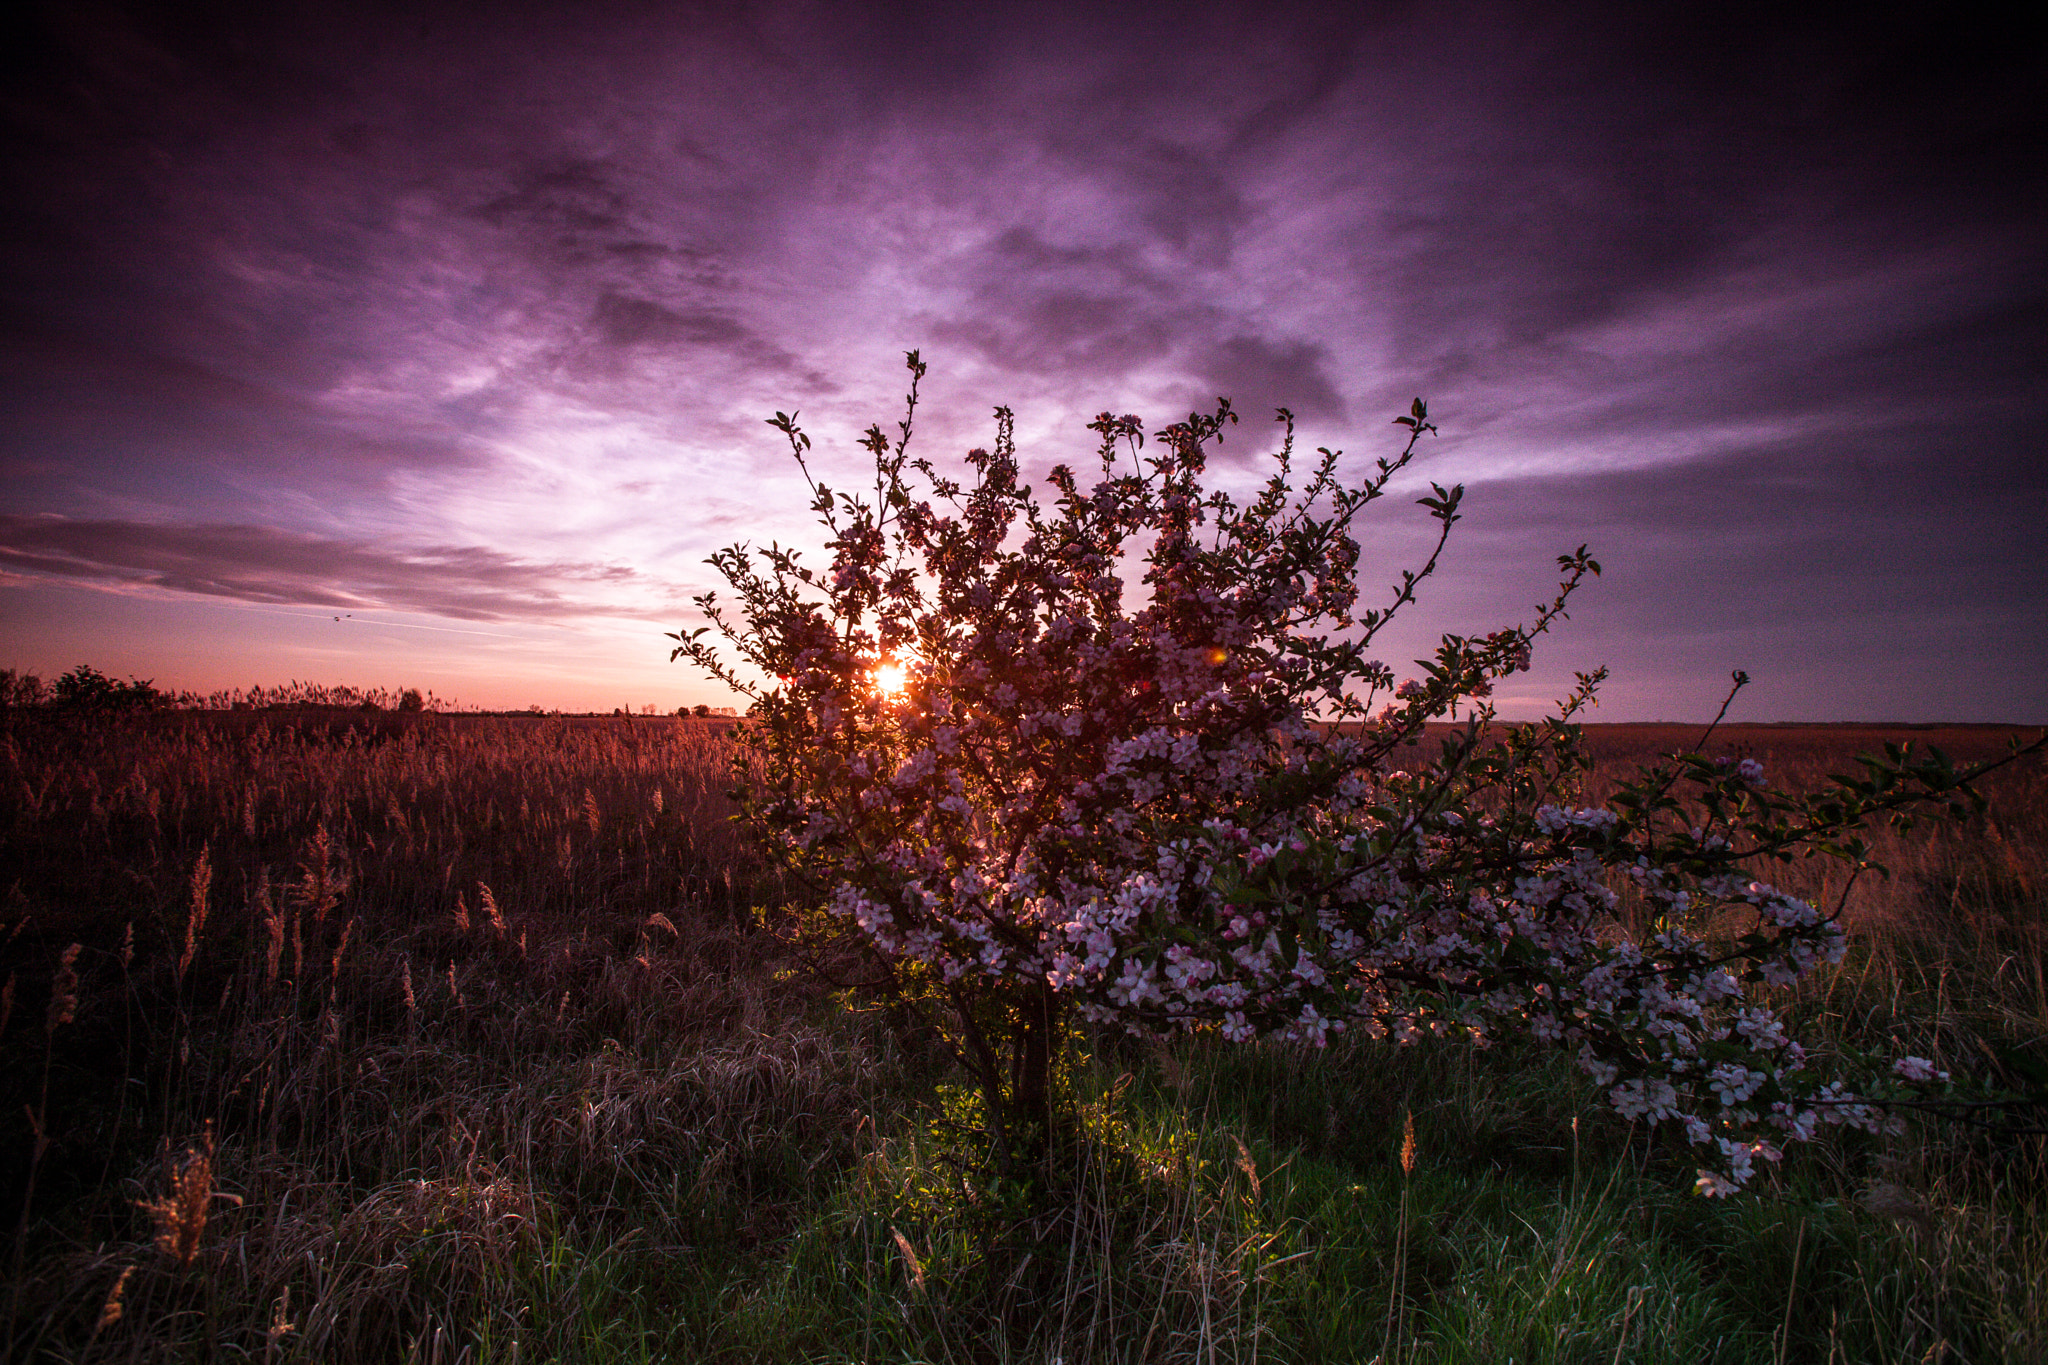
(20, 689)
(411, 700)
(85, 688)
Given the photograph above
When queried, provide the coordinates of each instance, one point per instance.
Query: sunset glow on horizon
(428, 349)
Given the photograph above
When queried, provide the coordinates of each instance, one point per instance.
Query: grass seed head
(273, 930)
(320, 882)
(195, 915)
(63, 992)
(340, 950)
(180, 1216)
(280, 1324)
(1248, 1166)
(911, 1264)
(491, 912)
(111, 1310)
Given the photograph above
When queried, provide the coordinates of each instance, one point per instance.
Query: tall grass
(374, 1037)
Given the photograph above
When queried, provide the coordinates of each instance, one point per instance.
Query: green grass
(1220, 1232)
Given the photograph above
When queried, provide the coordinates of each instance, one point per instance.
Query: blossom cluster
(1184, 811)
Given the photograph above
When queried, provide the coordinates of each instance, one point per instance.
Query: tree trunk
(1034, 1105)
(1012, 1056)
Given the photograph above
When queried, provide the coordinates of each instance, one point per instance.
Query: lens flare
(890, 679)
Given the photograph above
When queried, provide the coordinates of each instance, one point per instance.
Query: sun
(890, 679)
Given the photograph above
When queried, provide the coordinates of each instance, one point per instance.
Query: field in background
(460, 1038)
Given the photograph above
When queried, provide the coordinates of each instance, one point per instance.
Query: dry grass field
(329, 1036)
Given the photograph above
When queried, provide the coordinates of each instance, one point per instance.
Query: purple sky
(461, 323)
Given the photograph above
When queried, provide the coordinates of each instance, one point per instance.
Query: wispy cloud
(275, 567)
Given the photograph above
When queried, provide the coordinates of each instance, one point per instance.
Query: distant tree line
(85, 689)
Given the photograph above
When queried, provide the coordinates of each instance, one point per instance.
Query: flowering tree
(1035, 789)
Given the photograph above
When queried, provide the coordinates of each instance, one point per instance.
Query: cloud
(1844, 536)
(276, 567)
(1742, 300)
(1274, 374)
(624, 321)
(564, 203)
(106, 408)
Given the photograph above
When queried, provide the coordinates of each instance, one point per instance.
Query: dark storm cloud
(1594, 163)
(261, 564)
